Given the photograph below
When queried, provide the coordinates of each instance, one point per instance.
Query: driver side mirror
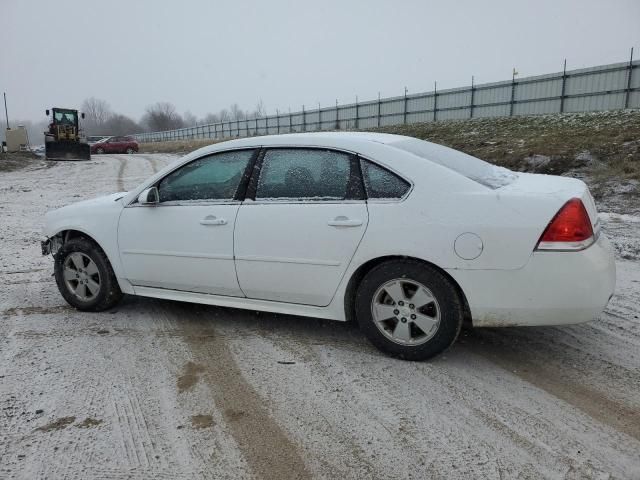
(47, 111)
(82, 116)
(149, 196)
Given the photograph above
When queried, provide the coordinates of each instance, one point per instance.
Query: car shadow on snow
(513, 345)
(233, 322)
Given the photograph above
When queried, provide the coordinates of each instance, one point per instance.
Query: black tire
(109, 293)
(448, 301)
(129, 151)
(99, 151)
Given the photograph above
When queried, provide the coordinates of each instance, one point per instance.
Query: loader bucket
(67, 151)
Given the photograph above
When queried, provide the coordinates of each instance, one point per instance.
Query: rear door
(300, 226)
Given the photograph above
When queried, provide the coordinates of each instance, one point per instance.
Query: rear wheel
(84, 276)
(408, 309)
(129, 150)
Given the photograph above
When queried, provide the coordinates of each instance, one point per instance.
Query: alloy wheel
(81, 276)
(406, 312)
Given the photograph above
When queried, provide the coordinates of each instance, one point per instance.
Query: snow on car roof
(313, 138)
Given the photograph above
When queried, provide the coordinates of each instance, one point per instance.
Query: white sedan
(407, 237)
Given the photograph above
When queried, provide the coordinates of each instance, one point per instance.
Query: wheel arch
(70, 233)
(66, 234)
(362, 270)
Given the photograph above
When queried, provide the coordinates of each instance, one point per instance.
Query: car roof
(328, 139)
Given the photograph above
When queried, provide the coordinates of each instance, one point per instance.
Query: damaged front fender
(51, 245)
(46, 246)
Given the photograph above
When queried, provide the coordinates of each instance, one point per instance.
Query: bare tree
(224, 115)
(119, 124)
(162, 116)
(97, 112)
(259, 111)
(211, 118)
(236, 112)
(189, 119)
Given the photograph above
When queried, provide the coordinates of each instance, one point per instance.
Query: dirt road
(158, 389)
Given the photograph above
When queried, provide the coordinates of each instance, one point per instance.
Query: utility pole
(404, 111)
(473, 91)
(435, 100)
(513, 91)
(628, 94)
(6, 112)
(564, 82)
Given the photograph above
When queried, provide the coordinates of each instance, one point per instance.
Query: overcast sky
(204, 55)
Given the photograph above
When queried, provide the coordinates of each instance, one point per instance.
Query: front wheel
(408, 309)
(99, 151)
(129, 150)
(84, 276)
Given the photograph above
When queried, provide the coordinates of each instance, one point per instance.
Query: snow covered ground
(158, 389)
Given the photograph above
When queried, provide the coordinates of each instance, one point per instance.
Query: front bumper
(553, 288)
(46, 246)
(51, 245)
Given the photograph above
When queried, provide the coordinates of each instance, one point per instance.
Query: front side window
(215, 177)
(380, 183)
(308, 174)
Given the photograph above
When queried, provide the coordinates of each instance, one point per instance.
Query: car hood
(95, 201)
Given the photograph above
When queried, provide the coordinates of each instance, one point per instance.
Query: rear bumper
(553, 288)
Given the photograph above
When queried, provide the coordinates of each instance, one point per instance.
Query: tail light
(570, 229)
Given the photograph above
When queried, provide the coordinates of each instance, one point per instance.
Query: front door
(294, 242)
(185, 242)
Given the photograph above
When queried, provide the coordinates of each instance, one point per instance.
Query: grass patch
(17, 160)
(569, 140)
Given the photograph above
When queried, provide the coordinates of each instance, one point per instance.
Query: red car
(115, 145)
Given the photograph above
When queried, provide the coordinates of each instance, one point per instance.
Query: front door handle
(342, 221)
(212, 220)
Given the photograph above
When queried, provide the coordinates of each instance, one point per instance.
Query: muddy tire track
(120, 177)
(154, 163)
(262, 442)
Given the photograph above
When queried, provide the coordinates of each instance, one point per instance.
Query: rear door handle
(342, 221)
(212, 220)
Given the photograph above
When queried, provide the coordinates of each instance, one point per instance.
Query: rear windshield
(471, 167)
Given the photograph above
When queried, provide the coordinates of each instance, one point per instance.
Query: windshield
(473, 168)
(65, 118)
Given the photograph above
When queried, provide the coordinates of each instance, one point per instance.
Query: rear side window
(381, 183)
(311, 174)
(215, 177)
